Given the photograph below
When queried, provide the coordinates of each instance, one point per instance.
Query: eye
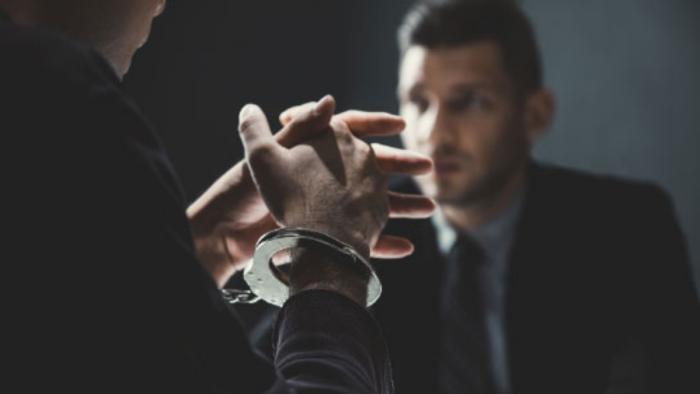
(420, 102)
(469, 101)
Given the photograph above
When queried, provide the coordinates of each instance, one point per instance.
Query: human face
(462, 110)
(115, 28)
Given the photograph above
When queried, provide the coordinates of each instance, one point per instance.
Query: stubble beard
(475, 192)
(479, 189)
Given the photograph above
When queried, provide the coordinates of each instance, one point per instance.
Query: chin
(125, 63)
(439, 191)
(125, 70)
(449, 189)
(455, 192)
(449, 186)
(449, 197)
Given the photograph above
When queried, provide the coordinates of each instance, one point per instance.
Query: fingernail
(246, 111)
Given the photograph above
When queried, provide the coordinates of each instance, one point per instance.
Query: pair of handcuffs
(270, 284)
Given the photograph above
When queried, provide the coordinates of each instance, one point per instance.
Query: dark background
(626, 74)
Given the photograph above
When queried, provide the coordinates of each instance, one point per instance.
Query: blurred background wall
(626, 74)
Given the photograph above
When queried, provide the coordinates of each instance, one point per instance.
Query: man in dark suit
(530, 278)
(114, 284)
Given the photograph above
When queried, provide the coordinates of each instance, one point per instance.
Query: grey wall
(627, 78)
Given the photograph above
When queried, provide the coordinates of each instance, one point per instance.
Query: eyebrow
(470, 87)
(461, 88)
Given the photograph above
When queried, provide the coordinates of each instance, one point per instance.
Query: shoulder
(52, 83)
(597, 191)
(63, 106)
(36, 59)
(610, 209)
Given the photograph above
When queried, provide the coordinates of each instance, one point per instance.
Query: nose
(439, 129)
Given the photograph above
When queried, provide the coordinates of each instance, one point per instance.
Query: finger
(309, 123)
(391, 247)
(372, 124)
(362, 124)
(411, 206)
(401, 161)
(254, 129)
(290, 113)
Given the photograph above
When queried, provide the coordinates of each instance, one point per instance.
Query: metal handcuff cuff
(265, 280)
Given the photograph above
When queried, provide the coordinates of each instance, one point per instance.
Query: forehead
(478, 63)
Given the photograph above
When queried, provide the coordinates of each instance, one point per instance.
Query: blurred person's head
(472, 94)
(115, 28)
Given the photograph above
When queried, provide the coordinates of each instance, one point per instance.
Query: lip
(446, 167)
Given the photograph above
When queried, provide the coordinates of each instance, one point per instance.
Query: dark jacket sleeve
(326, 343)
(111, 297)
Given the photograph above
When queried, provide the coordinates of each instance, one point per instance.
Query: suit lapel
(549, 297)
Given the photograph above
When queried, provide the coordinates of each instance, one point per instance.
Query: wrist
(319, 261)
(313, 269)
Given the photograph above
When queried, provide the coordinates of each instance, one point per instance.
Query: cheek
(477, 135)
(409, 140)
(506, 147)
(487, 140)
(144, 13)
(411, 135)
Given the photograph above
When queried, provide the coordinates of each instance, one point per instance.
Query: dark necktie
(464, 359)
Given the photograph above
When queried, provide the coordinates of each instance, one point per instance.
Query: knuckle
(344, 136)
(248, 124)
(261, 154)
(341, 128)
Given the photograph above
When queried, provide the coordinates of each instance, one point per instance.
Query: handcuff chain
(236, 296)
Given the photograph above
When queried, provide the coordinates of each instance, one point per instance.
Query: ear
(539, 112)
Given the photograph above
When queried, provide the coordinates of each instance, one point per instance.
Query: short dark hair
(458, 22)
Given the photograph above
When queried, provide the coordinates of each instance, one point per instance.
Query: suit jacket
(103, 290)
(599, 293)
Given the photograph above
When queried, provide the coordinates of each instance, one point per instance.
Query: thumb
(254, 129)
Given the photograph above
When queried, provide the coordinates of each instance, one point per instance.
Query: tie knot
(467, 252)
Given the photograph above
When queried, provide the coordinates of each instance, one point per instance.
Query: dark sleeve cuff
(325, 341)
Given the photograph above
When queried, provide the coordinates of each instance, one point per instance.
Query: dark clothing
(107, 294)
(599, 293)
(464, 358)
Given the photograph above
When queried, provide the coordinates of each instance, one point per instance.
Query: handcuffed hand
(315, 173)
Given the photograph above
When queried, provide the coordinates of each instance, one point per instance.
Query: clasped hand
(315, 173)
